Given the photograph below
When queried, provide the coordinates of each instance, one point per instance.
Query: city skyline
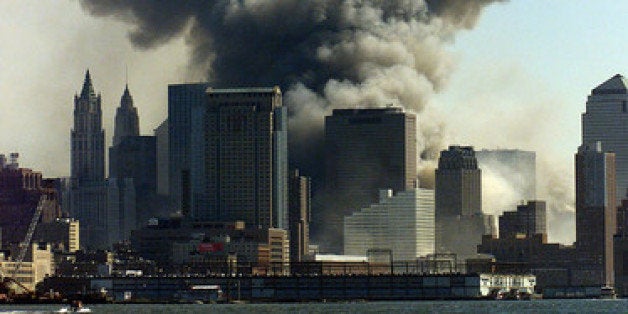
(82, 41)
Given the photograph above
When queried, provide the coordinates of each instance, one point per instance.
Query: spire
(88, 88)
(126, 101)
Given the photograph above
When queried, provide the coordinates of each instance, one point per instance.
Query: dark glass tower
(246, 157)
(183, 131)
(366, 150)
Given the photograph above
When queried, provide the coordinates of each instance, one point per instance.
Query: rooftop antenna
(126, 74)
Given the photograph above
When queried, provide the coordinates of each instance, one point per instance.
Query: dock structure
(293, 288)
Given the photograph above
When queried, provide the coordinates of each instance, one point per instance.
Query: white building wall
(403, 223)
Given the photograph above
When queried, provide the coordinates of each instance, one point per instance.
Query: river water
(537, 306)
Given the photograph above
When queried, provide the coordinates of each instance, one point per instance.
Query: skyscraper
(620, 250)
(161, 136)
(127, 120)
(88, 136)
(183, 131)
(87, 193)
(299, 214)
(134, 158)
(460, 222)
(596, 212)
(366, 150)
(605, 121)
(458, 183)
(246, 157)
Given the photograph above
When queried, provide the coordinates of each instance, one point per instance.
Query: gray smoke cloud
(325, 54)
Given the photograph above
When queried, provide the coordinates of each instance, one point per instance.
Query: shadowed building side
(366, 150)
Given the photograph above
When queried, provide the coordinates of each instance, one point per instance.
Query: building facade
(88, 191)
(182, 98)
(529, 219)
(460, 222)
(135, 158)
(620, 250)
(161, 146)
(402, 223)
(299, 214)
(366, 150)
(88, 136)
(246, 158)
(596, 213)
(21, 190)
(604, 120)
(121, 210)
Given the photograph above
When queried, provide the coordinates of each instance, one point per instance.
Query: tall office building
(246, 157)
(135, 158)
(132, 160)
(604, 120)
(161, 136)
(596, 212)
(299, 211)
(620, 250)
(460, 222)
(403, 223)
(182, 133)
(529, 219)
(87, 194)
(127, 120)
(121, 210)
(88, 136)
(366, 150)
(516, 167)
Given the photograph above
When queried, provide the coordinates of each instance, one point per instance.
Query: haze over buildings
(508, 177)
(460, 222)
(523, 86)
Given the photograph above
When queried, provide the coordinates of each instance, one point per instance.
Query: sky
(520, 80)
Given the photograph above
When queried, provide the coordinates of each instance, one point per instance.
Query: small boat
(74, 310)
(76, 307)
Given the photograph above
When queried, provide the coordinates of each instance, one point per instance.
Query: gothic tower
(127, 121)
(88, 136)
(87, 194)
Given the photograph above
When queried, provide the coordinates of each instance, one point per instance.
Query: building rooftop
(615, 85)
(243, 90)
(367, 111)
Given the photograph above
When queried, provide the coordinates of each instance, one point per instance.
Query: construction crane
(24, 245)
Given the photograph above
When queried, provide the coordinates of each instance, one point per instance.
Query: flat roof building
(402, 223)
(366, 150)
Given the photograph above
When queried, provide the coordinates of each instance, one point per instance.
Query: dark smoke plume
(325, 54)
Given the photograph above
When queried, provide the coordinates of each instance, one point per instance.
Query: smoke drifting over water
(325, 53)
